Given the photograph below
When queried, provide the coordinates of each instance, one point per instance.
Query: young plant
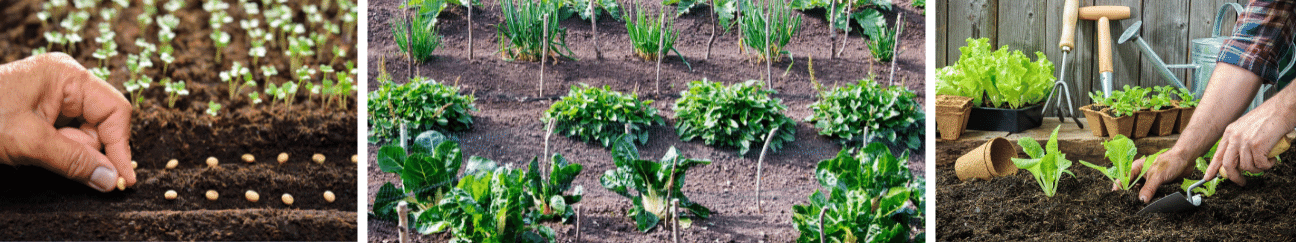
(220, 40)
(645, 33)
(864, 195)
(1121, 152)
(235, 77)
(522, 36)
(423, 104)
(740, 115)
(136, 88)
(997, 78)
(219, 37)
(590, 113)
(419, 38)
(213, 108)
(1047, 166)
(174, 90)
(490, 204)
(427, 175)
(866, 111)
(767, 38)
(547, 193)
(1186, 98)
(1202, 163)
(137, 63)
(655, 184)
(882, 40)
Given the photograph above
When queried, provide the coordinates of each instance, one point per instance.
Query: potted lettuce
(1006, 87)
(1163, 105)
(1093, 113)
(1186, 105)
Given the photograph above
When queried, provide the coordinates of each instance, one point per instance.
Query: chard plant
(767, 38)
(522, 36)
(1047, 166)
(213, 108)
(651, 186)
(136, 88)
(600, 114)
(427, 172)
(547, 193)
(866, 111)
(740, 115)
(490, 204)
(418, 38)
(863, 198)
(645, 34)
(174, 90)
(422, 104)
(1121, 153)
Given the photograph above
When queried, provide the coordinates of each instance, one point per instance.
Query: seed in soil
(212, 162)
(134, 164)
(248, 158)
(287, 199)
(252, 196)
(121, 184)
(328, 196)
(318, 158)
(355, 159)
(170, 195)
(172, 164)
(283, 157)
(212, 195)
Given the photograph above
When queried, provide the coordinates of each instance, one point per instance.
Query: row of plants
(304, 44)
(870, 196)
(1138, 112)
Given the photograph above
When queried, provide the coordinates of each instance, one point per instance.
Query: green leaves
(422, 104)
(490, 206)
(866, 111)
(547, 194)
(419, 37)
(1186, 98)
(426, 176)
(865, 197)
(1121, 152)
(522, 34)
(782, 26)
(1126, 101)
(739, 115)
(650, 185)
(1047, 166)
(600, 114)
(1005, 79)
(645, 33)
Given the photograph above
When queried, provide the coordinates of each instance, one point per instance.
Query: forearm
(1230, 90)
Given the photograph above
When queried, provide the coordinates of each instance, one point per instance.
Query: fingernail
(1143, 198)
(103, 179)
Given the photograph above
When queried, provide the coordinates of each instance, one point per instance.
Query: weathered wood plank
(1125, 57)
(1022, 22)
(1165, 28)
(970, 19)
(942, 32)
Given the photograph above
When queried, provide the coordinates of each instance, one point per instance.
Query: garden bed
(508, 127)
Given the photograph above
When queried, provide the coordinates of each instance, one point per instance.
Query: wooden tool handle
(1069, 25)
(1104, 46)
(1097, 12)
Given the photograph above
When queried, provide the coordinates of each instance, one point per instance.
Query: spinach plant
(740, 115)
(866, 111)
(865, 196)
(424, 104)
(1047, 166)
(599, 114)
(651, 185)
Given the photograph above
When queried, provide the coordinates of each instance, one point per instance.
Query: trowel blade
(1171, 203)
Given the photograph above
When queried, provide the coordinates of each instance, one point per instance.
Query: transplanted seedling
(1047, 166)
(1121, 152)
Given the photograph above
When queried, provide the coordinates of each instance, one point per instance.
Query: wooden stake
(675, 215)
(894, 45)
(470, 30)
(821, 225)
(578, 223)
(714, 25)
(759, 162)
(769, 61)
(846, 37)
(548, 131)
(661, 39)
(402, 210)
(545, 52)
(594, 25)
(832, 27)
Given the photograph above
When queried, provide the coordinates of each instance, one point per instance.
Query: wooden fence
(1035, 25)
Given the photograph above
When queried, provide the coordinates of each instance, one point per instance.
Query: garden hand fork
(1067, 43)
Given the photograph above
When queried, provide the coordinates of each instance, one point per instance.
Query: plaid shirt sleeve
(1260, 37)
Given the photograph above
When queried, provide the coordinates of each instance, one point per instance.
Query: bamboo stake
(544, 53)
(714, 25)
(846, 37)
(821, 225)
(470, 30)
(832, 27)
(594, 25)
(759, 162)
(769, 61)
(895, 53)
(661, 39)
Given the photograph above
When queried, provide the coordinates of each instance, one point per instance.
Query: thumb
(65, 156)
(1150, 187)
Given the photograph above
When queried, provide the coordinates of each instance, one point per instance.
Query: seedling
(419, 37)
(1023, 83)
(213, 108)
(233, 77)
(656, 183)
(1046, 166)
(1186, 98)
(252, 196)
(137, 63)
(1121, 152)
(174, 90)
(393, 104)
(221, 39)
(767, 29)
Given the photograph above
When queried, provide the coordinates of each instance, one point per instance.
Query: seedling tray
(1007, 120)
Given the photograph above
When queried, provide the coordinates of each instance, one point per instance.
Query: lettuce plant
(1186, 98)
(651, 185)
(547, 193)
(600, 114)
(866, 111)
(865, 197)
(1121, 152)
(740, 115)
(423, 104)
(996, 78)
(1047, 166)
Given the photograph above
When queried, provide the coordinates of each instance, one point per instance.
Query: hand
(45, 96)
(1246, 143)
(1168, 167)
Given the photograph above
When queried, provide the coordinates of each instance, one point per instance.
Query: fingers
(1154, 180)
(45, 147)
(105, 111)
(1227, 157)
(83, 137)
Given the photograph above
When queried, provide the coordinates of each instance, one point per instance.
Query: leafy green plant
(645, 33)
(654, 183)
(547, 193)
(740, 115)
(419, 37)
(1047, 166)
(424, 104)
(600, 114)
(1202, 163)
(522, 36)
(213, 108)
(1186, 98)
(1121, 152)
(174, 90)
(867, 111)
(882, 40)
(865, 197)
(996, 78)
(772, 38)
(490, 204)
(427, 172)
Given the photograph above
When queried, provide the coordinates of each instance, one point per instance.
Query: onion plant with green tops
(522, 35)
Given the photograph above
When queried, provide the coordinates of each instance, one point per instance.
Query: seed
(283, 157)
(212, 195)
(287, 199)
(252, 196)
(318, 158)
(170, 195)
(248, 158)
(328, 196)
(355, 159)
(121, 184)
(172, 164)
(134, 164)
(211, 162)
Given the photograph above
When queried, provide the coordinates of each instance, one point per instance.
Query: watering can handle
(1219, 17)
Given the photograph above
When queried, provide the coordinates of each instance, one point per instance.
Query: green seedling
(174, 90)
(136, 88)
(997, 78)
(213, 108)
(645, 34)
(522, 36)
(1121, 152)
(1186, 98)
(236, 77)
(767, 40)
(1046, 166)
(422, 104)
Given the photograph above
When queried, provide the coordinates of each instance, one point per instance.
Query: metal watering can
(1204, 53)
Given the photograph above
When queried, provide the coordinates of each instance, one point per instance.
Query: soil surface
(49, 207)
(1013, 208)
(508, 128)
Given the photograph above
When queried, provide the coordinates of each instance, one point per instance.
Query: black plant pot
(1007, 120)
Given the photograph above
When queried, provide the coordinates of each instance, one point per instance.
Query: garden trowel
(1181, 201)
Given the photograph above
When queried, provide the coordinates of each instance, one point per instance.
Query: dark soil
(508, 128)
(44, 206)
(1014, 208)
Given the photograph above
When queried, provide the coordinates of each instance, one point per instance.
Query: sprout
(254, 97)
(289, 91)
(173, 5)
(101, 72)
(54, 38)
(174, 91)
(145, 45)
(338, 52)
(122, 3)
(168, 21)
(106, 33)
(170, 195)
(144, 20)
(212, 109)
(221, 39)
(251, 9)
(39, 51)
(137, 63)
(136, 89)
(166, 57)
(108, 14)
(215, 5)
(269, 70)
(233, 78)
